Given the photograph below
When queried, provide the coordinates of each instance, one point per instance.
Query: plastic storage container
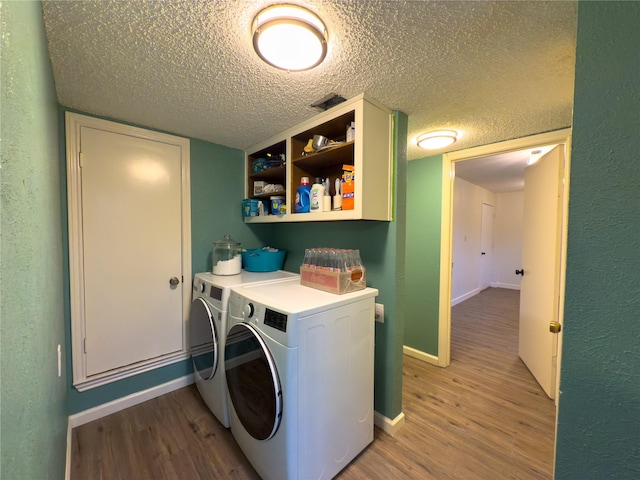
(278, 205)
(263, 259)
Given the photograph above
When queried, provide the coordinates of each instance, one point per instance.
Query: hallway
(484, 416)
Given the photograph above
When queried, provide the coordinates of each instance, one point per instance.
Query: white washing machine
(208, 332)
(299, 370)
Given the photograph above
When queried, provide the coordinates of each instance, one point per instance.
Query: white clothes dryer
(208, 331)
(299, 371)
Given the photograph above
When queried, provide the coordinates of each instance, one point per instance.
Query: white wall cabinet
(371, 154)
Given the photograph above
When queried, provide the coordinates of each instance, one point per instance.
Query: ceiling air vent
(329, 102)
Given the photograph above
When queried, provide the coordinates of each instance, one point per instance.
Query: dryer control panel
(275, 319)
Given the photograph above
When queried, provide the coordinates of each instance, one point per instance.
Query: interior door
(539, 291)
(131, 227)
(486, 246)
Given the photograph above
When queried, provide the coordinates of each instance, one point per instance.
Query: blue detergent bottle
(303, 196)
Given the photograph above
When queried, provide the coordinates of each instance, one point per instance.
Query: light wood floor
(482, 418)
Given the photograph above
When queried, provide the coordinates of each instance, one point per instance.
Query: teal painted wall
(424, 205)
(381, 246)
(599, 414)
(217, 190)
(33, 407)
(216, 187)
(599, 402)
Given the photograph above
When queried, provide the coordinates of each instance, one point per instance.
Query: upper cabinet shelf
(369, 153)
(326, 158)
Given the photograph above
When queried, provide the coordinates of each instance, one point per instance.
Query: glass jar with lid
(227, 256)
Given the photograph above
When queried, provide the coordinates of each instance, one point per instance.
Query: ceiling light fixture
(534, 156)
(438, 139)
(289, 37)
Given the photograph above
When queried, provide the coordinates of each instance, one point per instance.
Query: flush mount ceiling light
(289, 37)
(439, 139)
(534, 156)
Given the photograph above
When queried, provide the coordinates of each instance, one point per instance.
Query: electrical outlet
(379, 315)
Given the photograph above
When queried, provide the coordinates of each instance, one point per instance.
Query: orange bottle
(348, 187)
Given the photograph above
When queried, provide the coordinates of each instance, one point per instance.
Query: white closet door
(131, 220)
(486, 247)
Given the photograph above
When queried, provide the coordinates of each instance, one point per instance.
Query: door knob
(555, 327)
(173, 281)
(482, 253)
(520, 272)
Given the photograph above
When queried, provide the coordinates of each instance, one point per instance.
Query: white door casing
(541, 251)
(486, 247)
(129, 234)
(562, 137)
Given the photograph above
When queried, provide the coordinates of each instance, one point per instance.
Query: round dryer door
(252, 380)
(203, 339)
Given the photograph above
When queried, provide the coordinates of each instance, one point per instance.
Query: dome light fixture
(437, 139)
(289, 37)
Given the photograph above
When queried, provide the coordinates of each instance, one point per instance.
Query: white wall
(507, 239)
(467, 228)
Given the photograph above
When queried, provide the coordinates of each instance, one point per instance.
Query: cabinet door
(132, 248)
(129, 248)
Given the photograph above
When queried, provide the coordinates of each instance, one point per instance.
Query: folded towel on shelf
(271, 188)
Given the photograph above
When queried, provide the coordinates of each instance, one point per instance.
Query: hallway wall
(422, 270)
(34, 413)
(599, 409)
(467, 234)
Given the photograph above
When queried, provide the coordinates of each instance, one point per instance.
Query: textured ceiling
(499, 173)
(492, 70)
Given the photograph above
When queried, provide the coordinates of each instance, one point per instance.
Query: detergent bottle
(303, 196)
(317, 196)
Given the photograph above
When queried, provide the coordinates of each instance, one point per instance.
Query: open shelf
(369, 153)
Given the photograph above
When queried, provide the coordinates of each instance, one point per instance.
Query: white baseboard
(425, 357)
(388, 425)
(108, 408)
(462, 298)
(510, 286)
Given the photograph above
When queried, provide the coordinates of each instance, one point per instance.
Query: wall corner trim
(388, 425)
(67, 469)
(425, 357)
(465, 296)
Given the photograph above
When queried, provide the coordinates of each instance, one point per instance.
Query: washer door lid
(203, 339)
(253, 382)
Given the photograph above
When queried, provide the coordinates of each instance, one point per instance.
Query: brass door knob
(555, 327)
(173, 281)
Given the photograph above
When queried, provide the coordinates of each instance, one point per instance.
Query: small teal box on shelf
(252, 207)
